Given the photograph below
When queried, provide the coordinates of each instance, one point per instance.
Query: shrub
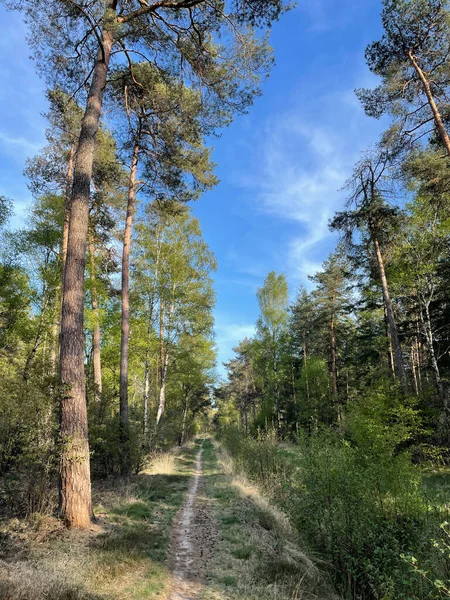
(358, 501)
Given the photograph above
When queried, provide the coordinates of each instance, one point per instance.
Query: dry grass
(258, 555)
(122, 557)
(161, 463)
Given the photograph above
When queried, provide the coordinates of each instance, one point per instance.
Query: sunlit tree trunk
(125, 331)
(426, 321)
(432, 103)
(146, 394)
(75, 483)
(397, 350)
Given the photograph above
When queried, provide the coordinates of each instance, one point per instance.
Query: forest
(318, 465)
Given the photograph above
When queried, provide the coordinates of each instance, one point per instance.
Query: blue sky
(280, 167)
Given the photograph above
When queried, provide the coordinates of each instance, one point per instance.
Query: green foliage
(358, 501)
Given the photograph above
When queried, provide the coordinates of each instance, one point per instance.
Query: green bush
(358, 501)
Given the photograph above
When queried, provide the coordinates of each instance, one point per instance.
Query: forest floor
(187, 527)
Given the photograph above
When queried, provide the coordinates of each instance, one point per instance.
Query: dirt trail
(192, 541)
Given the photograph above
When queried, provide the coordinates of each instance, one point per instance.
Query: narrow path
(192, 541)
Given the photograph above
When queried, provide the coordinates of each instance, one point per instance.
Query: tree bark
(146, 394)
(96, 337)
(430, 345)
(412, 360)
(397, 350)
(125, 331)
(333, 357)
(183, 425)
(305, 366)
(163, 358)
(75, 484)
(430, 98)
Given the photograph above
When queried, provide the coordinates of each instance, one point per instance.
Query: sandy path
(192, 541)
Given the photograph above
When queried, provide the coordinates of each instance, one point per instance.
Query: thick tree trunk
(125, 332)
(75, 484)
(430, 98)
(96, 337)
(397, 350)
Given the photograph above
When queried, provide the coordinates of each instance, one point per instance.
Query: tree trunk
(163, 357)
(75, 484)
(334, 366)
(162, 392)
(305, 366)
(430, 345)
(389, 344)
(146, 394)
(397, 350)
(96, 351)
(125, 334)
(183, 425)
(434, 109)
(413, 362)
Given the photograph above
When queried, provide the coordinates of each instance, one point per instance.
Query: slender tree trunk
(96, 350)
(162, 391)
(418, 355)
(75, 483)
(434, 109)
(305, 366)
(390, 352)
(146, 394)
(397, 350)
(149, 330)
(414, 366)
(163, 357)
(430, 345)
(125, 333)
(183, 426)
(64, 240)
(294, 394)
(31, 355)
(334, 362)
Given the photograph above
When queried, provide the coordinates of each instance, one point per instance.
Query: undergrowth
(257, 554)
(124, 554)
(362, 509)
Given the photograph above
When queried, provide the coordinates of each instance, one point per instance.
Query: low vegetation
(381, 531)
(124, 553)
(258, 555)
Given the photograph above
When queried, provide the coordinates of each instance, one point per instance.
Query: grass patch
(124, 554)
(257, 556)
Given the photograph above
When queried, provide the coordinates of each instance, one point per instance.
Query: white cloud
(305, 156)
